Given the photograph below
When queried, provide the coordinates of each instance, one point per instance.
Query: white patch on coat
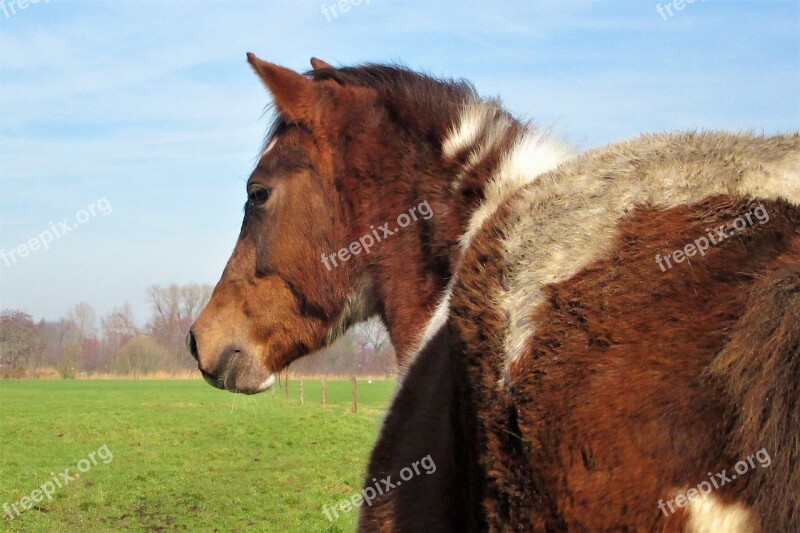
(567, 219)
(710, 515)
(780, 180)
(437, 321)
(481, 129)
(493, 135)
(532, 154)
(472, 121)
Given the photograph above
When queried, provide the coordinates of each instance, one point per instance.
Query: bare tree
(19, 344)
(83, 352)
(59, 340)
(374, 333)
(85, 320)
(194, 299)
(142, 355)
(175, 308)
(120, 322)
(165, 302)
(119, 326)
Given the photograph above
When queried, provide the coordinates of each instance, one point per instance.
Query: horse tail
(760, 369)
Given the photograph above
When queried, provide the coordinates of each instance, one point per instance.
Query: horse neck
(482, 155)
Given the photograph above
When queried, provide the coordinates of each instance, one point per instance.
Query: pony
(589, 342)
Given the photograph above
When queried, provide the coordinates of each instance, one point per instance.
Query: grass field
(185, 456)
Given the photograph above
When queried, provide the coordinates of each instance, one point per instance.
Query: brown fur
(448, 499)
(760, 371)
(612, 407)
(635, 342)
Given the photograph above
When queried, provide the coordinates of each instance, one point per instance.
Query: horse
(596, 341)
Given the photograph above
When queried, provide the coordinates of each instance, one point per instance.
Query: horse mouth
(239, 376)
(267, 383)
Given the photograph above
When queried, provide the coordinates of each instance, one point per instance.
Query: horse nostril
(191, 343)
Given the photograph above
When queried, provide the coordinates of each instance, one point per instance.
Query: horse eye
(259, 196)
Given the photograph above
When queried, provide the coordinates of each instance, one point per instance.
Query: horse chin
(268, 383)
(242, 376)
(251, 386)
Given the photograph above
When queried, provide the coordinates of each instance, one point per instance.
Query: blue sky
(152, 106)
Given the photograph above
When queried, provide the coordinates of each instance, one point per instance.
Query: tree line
(79, 344)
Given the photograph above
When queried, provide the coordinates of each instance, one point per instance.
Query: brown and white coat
(587, 384)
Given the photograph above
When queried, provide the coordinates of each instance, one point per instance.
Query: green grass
(185, 456)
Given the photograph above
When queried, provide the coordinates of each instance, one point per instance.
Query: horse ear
(294, 94)
(317, 64)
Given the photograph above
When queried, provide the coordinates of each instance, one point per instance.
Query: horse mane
(395, 80)
(417, 99)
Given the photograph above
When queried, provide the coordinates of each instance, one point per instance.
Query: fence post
(355, 396)
(301, 393)
(324, 394)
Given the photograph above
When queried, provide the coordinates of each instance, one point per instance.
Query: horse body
(571, 362)
(598, 385)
